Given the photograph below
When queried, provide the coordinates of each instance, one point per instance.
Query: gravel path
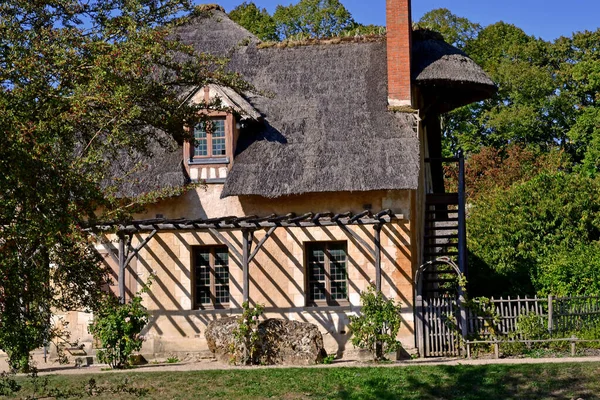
(54, 368)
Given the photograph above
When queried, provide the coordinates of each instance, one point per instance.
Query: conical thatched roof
(211, 28)
(446, 73)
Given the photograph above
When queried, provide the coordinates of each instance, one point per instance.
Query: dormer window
(210, 156)
(211, 139)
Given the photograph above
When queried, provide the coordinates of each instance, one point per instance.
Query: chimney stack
(399, 29)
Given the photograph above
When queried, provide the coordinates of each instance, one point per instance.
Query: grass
(526, 381)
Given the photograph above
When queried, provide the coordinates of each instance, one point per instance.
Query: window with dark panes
(327, 272)
(210, 139)
(201, 147)
(211, 277)
(218, 138)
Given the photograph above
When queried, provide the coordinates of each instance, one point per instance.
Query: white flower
(127, 319)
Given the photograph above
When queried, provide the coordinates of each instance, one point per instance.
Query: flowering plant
(245, 346)
(117, 327)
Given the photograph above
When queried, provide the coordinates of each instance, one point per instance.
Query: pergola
(248, 225)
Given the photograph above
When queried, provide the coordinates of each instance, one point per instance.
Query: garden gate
(439, 310)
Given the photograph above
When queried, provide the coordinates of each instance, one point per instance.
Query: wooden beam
(131, 228)
(359, 216)
(377, 256)
(121, 276)
(224, 240)
(247, 243)
(137, 249)
(260, 244)
(462, 231)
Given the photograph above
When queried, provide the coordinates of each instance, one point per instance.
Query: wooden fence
(499, 317)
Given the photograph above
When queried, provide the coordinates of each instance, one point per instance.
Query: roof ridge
(203, 8)
(322, 42)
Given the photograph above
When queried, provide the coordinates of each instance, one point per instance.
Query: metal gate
(440, 317)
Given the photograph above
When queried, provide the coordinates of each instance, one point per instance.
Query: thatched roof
(446, 73)
(326, 126)
(161, 168)
(218, 35)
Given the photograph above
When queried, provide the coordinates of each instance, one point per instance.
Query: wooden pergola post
(247, 243)
(122, 266)
(377, 255)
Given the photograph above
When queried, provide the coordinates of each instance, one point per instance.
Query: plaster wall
(277, 273)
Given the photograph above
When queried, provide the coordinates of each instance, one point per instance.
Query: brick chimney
(399, 29)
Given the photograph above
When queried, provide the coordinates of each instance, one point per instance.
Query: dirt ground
(208, 364)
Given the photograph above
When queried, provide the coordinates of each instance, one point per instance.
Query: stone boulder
(219, 337)
(281, 342)
(290, 343)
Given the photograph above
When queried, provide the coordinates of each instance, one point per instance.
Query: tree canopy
(81, 83)
(520, 237)
(305, 19)
(258, 21)
(533, 158)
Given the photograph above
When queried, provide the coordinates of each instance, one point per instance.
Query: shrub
(245, 335)
(117, 326)
(377, 327)
(514, 235)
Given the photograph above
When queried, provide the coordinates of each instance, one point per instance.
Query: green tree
(306, 19)
(514, 235)
(81, 83)
(570, 271)
(523, 109)
(456, 30)
(313, 18)
(258, 21)
(578, 59)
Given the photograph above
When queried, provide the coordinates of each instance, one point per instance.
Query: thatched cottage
(316, 186)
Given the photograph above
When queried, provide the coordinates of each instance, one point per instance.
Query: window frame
(209, 140)
(213, 305)
(326, 245)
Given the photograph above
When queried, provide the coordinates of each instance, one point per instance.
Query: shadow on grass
(555, 381)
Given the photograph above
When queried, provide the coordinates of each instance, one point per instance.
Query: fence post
(550, 324)
(463, 315)
(420, 325)
(468, 349)
(573, 339)
(496, 349)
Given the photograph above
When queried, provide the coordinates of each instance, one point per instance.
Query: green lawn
(540, 381)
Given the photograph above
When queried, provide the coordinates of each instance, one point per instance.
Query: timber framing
(251, 222)
(248, 225)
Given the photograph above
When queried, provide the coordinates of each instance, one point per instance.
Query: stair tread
(442, 228)
(442, 253)
(434, 245)
(449, 236)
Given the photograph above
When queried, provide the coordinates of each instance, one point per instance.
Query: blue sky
(548, 19)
